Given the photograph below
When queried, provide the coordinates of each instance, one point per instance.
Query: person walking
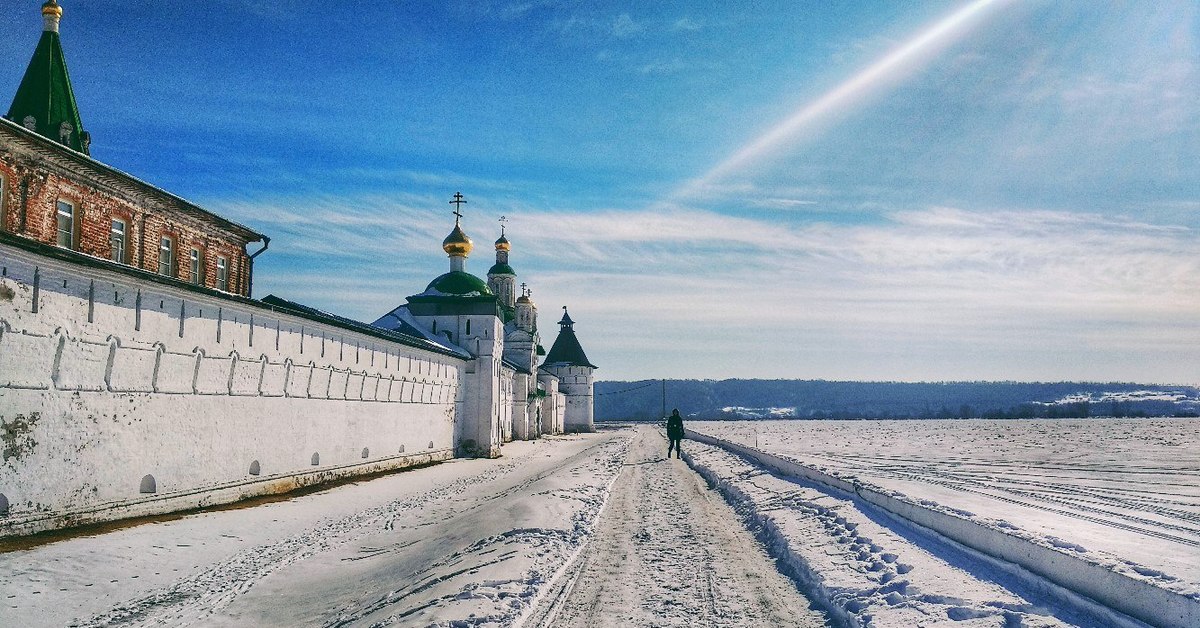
(674, 433)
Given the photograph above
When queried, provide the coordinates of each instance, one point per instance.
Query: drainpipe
(250, 271)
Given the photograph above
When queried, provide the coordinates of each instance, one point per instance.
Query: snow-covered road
(670, 552)
(469, 541)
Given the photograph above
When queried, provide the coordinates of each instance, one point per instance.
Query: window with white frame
(222, 274)
(116, 241)
(166, 256)
(66, 224)
(195, 266)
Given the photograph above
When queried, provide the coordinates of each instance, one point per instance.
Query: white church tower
(502, 279)
(458, 308)
(568, 362)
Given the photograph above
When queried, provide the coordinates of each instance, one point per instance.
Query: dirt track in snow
(667, 551)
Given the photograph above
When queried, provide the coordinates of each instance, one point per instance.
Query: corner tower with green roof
(45, 102)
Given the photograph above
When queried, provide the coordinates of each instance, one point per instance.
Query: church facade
(138, 376)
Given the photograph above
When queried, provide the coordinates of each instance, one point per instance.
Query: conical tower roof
(566, 349)
(45, 102)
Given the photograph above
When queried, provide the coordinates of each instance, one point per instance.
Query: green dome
(457, 283)
(501, 269)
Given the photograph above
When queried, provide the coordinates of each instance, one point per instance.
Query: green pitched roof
(45, 95)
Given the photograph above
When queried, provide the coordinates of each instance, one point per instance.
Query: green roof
(457, 283)
(45, 95)
(501, 269)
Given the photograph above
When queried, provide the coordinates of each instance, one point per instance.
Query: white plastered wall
(111, 378)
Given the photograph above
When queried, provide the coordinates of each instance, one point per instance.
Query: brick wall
(32, 181)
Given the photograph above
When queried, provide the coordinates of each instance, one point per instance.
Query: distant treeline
(818, 399)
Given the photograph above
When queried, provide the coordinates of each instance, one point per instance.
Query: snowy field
(1121, 492)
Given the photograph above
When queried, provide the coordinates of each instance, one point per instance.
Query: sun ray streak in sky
(906, 57)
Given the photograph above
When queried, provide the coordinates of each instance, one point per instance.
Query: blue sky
(1016, 198)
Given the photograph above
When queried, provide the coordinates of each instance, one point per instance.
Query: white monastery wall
(122, 396)
(552, 404)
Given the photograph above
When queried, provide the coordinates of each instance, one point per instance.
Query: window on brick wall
(66, 224)
(195, 266)
(117, 240)
(222, 274)
(166, 256)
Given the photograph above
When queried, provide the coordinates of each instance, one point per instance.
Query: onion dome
(502, 244)
(524, 298)
(457, 243)
(52, 9)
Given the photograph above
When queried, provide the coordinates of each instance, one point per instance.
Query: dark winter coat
(675, 427)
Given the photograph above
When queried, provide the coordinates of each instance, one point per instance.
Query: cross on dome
(457, 203)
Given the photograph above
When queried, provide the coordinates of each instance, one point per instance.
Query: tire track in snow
(1031, 500)
(190, 600)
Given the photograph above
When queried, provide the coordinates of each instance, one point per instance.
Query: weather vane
(457, 203)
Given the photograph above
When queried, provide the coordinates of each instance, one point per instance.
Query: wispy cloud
(930, 283)
(625, 26)
(663, 67)
(687, 24)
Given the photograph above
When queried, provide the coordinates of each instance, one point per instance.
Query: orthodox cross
(503, 222)
(524, 290)
(457, 203)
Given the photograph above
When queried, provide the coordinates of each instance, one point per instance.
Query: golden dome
(502, 244)
(52, 8)
(457, 243)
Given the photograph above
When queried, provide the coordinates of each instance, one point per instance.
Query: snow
(470, 541)
(602, 530)
(669, 552)
(1120, 494)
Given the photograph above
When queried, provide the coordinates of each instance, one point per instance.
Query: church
(138, 374)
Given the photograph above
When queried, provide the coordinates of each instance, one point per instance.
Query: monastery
(138, 375)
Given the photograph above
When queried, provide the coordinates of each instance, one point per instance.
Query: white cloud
(624, 26)
(686, 24)
(663, 67)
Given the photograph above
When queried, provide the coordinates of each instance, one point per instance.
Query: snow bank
(1139, 599)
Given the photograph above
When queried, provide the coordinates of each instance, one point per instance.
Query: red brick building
(53, 192)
